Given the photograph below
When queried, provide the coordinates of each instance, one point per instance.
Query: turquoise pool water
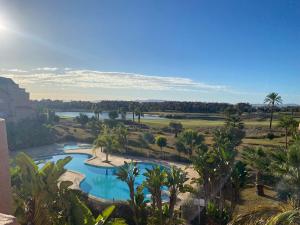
(101, 182)
(74, 146)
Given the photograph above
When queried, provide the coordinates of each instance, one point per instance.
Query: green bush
(29, 133)
(218, 216)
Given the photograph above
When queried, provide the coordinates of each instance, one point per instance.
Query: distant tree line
(164, 106)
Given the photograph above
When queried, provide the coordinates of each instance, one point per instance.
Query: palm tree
(269, 215)
(139, 112)
(122, 135)
(108, 140)
(176, 179)
(257, 159)
(97, 111)
(40, 199)
(289, 124)
(122, 112)
(272, 99)
(286, 166)
(155, 179)
(191, 139)
(133, 109)
(128, 173)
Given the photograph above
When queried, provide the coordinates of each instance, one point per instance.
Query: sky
(205, 50)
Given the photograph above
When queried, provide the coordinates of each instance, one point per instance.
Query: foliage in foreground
(269, 215)
(160, 212)
(41, 199)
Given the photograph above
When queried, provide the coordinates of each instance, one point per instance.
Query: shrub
(149, 137)
(216, 215)
(270, 136)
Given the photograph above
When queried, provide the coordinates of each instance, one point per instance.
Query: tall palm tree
(128, 173)
(132, 107)
(272, 99)
(97, 111)
(290, 126)
(139, 112)
(175, 182)
(155, 179)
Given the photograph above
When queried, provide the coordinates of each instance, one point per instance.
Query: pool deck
(98, 158)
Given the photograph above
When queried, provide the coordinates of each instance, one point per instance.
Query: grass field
(196, 123)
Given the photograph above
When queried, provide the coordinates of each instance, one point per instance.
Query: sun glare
(3, 24)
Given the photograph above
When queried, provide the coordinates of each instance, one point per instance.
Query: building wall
(14, 101)
(5, 185)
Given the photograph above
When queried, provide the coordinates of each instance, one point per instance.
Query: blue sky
(220, 51)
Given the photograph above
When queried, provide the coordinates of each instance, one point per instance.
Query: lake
(104, 115)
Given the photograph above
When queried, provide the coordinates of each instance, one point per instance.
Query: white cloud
(110, 80)
(46, 69)
(14, 70)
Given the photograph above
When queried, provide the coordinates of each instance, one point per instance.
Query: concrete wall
(5, 185)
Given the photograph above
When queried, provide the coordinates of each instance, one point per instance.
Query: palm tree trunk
(133, 206)
(286, 138)
(159, 206)
(106, 155)
(172, 204)
(271, 118)
(259, 184)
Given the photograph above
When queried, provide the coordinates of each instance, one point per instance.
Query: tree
(215, 164)
(82, 119)
(40, 199)
(175, 182)
(122, 135)
(180, 147)
(272, 99)
(139, 112)
(161, 142)
(155, 179)
(132, 107)
(290, 126)
(233, 118)
(128, 173)
(107, 139)
(97, 111)
(258, 161)
(149, 137)
(113, 115)
(191, 139)
(238, 179)
(122, 112)
(286, 167)
(176, 127)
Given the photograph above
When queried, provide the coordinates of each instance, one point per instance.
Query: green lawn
(196, 123)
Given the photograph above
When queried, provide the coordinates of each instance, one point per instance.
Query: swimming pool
(101, 182)
(74, 146)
